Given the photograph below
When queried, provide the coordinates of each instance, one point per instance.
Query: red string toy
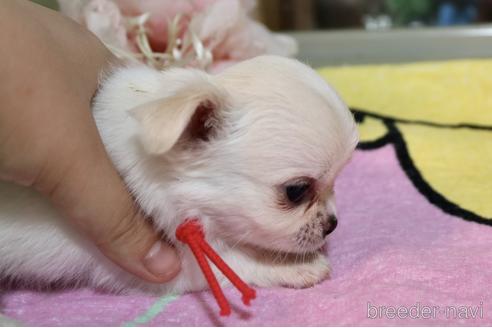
(191, 233)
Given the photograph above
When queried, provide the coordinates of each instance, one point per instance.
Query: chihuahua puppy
(252, 152)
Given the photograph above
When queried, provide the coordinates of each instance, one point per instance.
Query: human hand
(49, 68)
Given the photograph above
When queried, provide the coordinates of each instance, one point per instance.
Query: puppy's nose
(329, 225)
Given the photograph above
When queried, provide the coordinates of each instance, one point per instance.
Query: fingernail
(162, 261)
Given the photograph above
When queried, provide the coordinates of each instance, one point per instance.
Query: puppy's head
(253, 152)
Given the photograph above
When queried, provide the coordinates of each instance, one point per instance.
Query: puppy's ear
(192, 113)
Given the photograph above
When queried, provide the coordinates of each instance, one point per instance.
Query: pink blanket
(396, 259)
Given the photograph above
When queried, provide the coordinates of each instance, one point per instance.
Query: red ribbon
(191, 233)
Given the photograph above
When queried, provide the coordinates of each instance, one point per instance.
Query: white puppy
(253, 152)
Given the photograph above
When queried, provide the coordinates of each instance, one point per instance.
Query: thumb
(92, 196)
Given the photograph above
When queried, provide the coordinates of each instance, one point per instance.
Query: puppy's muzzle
(329, 225)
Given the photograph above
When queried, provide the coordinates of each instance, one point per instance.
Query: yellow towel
(438, 115)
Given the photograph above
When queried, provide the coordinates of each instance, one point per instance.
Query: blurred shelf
(324, 48)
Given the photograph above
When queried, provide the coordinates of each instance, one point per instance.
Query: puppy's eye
(296, 193)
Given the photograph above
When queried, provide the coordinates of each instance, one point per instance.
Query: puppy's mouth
(293, 248)
(309, 242)
(299, 243)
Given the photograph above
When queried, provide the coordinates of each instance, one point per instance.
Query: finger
(87, 189)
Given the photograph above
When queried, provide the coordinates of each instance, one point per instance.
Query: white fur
(273, 119)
